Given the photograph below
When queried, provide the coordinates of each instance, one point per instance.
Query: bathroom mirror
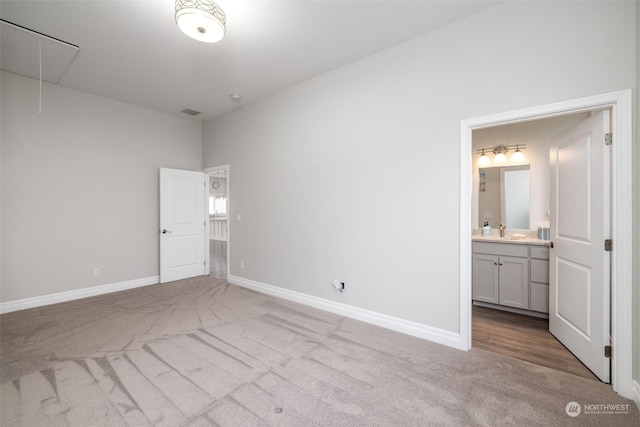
(503, 197)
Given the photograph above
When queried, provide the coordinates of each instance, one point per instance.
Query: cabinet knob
(551, 244)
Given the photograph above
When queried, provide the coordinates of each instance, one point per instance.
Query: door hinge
(607, 245)
(608, 139)
(607, 351)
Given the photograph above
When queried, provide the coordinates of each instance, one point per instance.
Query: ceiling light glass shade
(202, 20)
(483, 160)
(500, 158)
(517, 156)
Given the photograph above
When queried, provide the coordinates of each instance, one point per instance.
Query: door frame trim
(622, 198)
(209, 171)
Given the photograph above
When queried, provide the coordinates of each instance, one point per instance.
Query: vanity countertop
(523, 241)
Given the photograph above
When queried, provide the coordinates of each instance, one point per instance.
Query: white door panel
(573, 296)
(579, 266)
(182, 224)
(573, 173)
(182, 251)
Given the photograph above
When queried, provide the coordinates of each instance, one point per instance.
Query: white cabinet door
(182, 224)
(579, 266)
(485, 278)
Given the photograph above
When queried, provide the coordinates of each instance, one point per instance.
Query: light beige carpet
(200, 352)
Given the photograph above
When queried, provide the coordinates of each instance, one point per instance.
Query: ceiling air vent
(191, 112)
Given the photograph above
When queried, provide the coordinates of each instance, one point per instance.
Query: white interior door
(183, 239)
(580, 222)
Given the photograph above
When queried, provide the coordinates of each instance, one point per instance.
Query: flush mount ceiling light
(202, 20)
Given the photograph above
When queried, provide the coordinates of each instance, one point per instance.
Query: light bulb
(500, 158)
(483, 160)
(517, 156)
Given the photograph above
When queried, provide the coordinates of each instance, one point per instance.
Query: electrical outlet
(96, 272)
(241, 265)
(337, 285)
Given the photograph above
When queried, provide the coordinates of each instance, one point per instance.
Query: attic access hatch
(23, 51)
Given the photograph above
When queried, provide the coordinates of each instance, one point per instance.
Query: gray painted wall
(312, 165)
(80, 187)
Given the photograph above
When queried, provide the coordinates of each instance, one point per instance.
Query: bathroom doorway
(218, 207)
(620, 105)
(518, 333)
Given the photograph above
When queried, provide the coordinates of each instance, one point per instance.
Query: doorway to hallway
(218, 221)
(218, 258)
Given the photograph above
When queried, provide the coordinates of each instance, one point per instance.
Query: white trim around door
(622, 198)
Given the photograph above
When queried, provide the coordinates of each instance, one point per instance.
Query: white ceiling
(132, 51)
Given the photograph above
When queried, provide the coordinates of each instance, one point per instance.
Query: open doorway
(621, 193)
(516, 325)
(218, 208)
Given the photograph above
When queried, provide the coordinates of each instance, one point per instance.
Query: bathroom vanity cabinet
(539, 279)
(511, 276)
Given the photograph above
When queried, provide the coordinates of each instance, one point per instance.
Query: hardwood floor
(523, 337)
(218, 259)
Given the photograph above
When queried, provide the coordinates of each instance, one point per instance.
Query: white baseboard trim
(23, 304)
(429, 333)
(636, 393)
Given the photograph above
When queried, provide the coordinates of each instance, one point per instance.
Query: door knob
(164, 231)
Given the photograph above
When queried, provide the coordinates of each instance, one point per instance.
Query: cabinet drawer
(539, 298)
(501, 249)
(539, 271)
(540, 252)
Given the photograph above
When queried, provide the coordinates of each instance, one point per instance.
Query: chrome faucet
(501, 227)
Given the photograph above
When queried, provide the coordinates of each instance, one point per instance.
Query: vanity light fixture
(484, 159)
(499, 153)
(500, 157)
(202, 20)
(517, 155)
